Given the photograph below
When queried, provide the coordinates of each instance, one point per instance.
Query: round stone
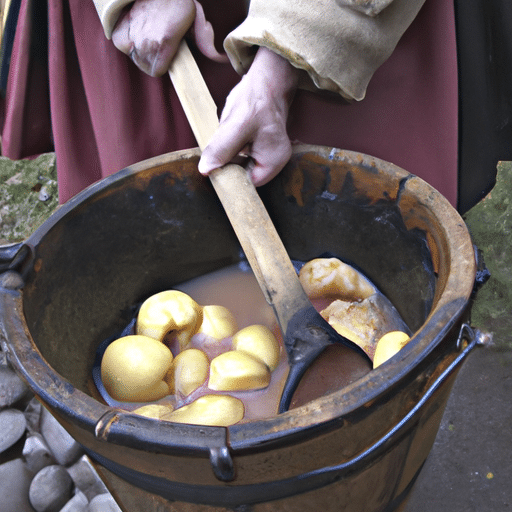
(78, 503)
(36, 453)
(11, 280)
(64, 448)
(86, 478)
(12, 427)
(103, 503)
(12, 388)
(50, 489)
(15, 478)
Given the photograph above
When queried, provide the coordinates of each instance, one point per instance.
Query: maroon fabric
(25, 111)
(106, 114)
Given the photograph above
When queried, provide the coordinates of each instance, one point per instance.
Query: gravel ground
(28, 195)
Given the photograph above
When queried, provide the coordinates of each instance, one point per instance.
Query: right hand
(254, 119)
(150, 31)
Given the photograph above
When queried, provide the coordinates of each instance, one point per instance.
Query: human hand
(150, 31)
(254, 119)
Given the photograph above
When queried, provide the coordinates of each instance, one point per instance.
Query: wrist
(281, 75)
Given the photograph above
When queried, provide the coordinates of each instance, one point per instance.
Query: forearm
(281, 78)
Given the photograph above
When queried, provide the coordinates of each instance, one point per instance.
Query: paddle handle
(258, 237)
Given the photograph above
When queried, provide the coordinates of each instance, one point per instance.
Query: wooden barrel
(158, 223)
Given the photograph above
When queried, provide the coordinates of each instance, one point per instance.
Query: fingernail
(205, 166)
(202, 168)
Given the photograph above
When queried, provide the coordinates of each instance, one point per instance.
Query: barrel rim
(322, 412)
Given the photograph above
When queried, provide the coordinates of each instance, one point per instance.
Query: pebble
(12, 427)
(15, 478)
(12, 388)
(33, 415)
(64, 448)
(78, 503)
(103, 503)
(44, 194)
(37, 454)
(53, 470)
(50, 489)
(86, 479)
(11, 280)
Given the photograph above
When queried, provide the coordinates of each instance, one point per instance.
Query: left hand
(150, 31)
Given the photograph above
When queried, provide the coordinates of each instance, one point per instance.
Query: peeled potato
(188, 371)
(157, 411)
(211, 410)
(238, 371)
(218, 322)
(389, 345)
(260, 342)
(168, 311)
(364, 322)
(133, 369)
(330, 277)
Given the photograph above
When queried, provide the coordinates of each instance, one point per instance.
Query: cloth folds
(339, 46)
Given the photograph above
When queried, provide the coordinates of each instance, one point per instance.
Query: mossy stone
(490, 225)
(22, 208)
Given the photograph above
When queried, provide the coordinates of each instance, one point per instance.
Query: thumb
(208, 162)
(223, 147)
(204, 36)
(121, 33)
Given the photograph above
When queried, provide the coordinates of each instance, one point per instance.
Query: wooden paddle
(306, 333)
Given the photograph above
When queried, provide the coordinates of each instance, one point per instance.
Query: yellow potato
(259, 342)
(133, 369)
(218, 322)
(157, 411)
(211, 410)
(238, 371)
(188, 371)
(389, 345)
(168, 311)
(330, 277)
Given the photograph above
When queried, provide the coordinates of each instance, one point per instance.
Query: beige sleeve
(108, 11)
(339, 43)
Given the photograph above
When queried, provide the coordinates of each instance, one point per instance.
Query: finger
(269, 160)
(153, 58)
(141, 62)
(204, 36)
(162, 59)
(271, 150)
(226, 143)
(120, 34)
